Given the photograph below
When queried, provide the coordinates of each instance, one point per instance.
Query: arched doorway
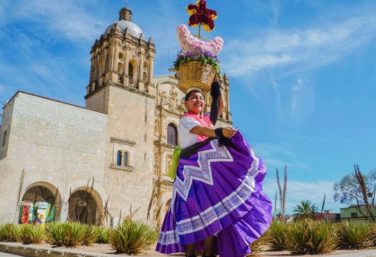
(85, 206)
(40, 204)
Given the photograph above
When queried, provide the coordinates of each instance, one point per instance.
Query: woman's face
(195, 103)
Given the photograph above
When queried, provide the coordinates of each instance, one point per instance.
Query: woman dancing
(217, 203)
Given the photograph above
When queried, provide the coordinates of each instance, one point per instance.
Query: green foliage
(204, 59)
(277, 235)
(310, 237)
(103, 235)
(55, 233)
(372, 236)
(32, 234)
(90, 235)
(69, 234)
(305, 210)
(354, 235)
(10, 233)
(131, 237)
(258, 245)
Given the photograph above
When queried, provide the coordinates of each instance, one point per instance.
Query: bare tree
(365, 193)
(19, 193)
(282, 192)
(323, 204)
(359, 189)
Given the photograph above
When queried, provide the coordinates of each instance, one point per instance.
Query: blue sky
(302, 73)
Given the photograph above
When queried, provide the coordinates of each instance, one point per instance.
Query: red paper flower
(200, 15)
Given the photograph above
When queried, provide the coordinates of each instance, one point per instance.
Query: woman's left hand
(229, 132)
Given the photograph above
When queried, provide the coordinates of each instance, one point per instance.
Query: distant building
(353, 213)
(328, 216)
(101, 160)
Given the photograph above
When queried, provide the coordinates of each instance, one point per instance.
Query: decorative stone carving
(157, 127)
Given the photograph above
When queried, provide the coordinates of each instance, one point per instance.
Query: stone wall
(55, 144)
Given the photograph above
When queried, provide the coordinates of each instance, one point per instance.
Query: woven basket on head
(195, 74)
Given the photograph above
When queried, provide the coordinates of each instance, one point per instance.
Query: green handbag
(174, 163)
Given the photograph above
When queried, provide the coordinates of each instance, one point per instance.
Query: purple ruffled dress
(217, 191)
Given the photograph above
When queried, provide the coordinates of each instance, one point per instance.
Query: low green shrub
(132, 236)
(310, 237)
(69, 234)
(372, 236)
(354, 235)
(258, 245)
(277, 235)
(55, 233)
(32, 234)
(103, 235)
(10, 233)
(90, 235)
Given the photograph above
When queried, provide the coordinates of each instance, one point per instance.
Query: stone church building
(97, 163)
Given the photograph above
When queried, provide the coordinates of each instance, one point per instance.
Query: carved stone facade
(117, 148)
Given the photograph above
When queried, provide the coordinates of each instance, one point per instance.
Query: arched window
(118, 158)
(172, 134)
(130, 73)
(125, 158)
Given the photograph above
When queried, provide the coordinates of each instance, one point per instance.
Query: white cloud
(298, 191)
(297, 50)
(65, 19)
(276, 156)
(302, 100)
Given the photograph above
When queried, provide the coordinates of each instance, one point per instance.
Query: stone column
(64, 211)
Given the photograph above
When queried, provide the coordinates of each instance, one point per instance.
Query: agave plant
(10, 233)
(310, 237)
(55, 233)
(103, 235)
(354, 235)
(131, 237)
(277, 235)
(69, 234)
(32, 234)
(90, 235)
(258, 245)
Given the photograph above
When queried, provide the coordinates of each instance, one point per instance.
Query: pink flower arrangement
(189, 43)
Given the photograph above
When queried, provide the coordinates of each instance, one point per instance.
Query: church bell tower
(121, 57)
(121, 86)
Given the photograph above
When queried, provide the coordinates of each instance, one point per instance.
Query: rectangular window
(4, 138)
(354, 215)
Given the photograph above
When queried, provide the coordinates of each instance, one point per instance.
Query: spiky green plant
(56, 233)
(32, 234)
(258, 245)
(69, 234)
(354, 235)
(131, 237)
(372, 236)
(10, 233)
(103, 235)
(90, 235)
(277, 235)
(311, 237)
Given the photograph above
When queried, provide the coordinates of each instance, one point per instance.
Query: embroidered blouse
(187, 123)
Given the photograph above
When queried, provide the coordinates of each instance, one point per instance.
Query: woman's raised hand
(229, 132)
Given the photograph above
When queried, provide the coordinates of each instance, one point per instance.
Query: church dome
(131, 28)
(125, 23)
